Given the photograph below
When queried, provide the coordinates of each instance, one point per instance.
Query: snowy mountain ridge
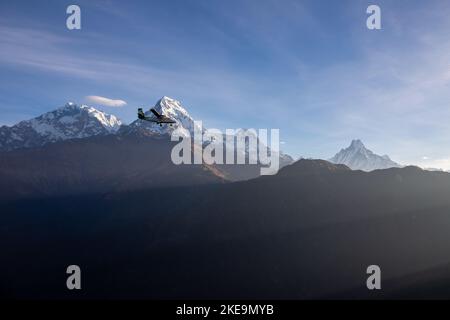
(68, 122)
(186, 126)
(72, 121)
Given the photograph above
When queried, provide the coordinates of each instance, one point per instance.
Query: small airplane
(160, 118)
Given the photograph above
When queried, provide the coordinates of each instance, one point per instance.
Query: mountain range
(80, 122)
(78, 149)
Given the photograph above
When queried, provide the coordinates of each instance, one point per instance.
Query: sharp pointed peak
(358, 157)
(357, 143)
(166, 100)
(170, 106)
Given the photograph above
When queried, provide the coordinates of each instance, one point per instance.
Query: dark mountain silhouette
(132, 159)
(308, 232)
(97, 165)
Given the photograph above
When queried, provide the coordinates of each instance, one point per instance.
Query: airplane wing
(155, 113)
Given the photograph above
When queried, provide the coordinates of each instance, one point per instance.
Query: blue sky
(310, 68)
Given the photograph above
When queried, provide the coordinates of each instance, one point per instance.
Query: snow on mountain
(184, 123)
(358, 157)
(171, 108)
(251, 151)
(68, 122)
(73, 121)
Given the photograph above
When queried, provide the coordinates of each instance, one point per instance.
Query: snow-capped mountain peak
(357, 144)
(358, 157)
(171, 108)
(68, 122)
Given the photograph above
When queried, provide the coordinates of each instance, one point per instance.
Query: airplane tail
(155, 113)
(141, 114)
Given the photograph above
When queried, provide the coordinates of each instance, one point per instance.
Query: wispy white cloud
(106, 101)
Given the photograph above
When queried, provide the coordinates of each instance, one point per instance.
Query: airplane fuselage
(158, 118)
(165, 119)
